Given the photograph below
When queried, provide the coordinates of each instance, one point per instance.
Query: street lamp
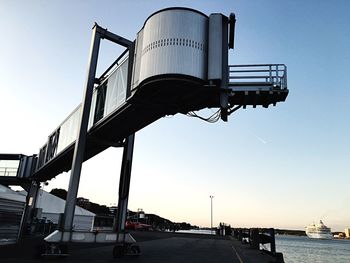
(211, 213)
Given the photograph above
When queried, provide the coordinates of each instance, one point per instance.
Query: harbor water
(305, 250)
(298, 249)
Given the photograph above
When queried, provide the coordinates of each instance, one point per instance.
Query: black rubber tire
(63, 248)
(135, 250)
(39, 250)
(118, 251)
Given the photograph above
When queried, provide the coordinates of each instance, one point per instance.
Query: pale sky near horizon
(285, 166)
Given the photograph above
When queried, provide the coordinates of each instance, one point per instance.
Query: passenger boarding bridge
(177, 64)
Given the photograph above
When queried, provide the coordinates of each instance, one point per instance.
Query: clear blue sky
(285, 166)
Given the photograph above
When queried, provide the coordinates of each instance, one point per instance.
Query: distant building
(83, 202)
(50, 207)
(347, 232)
(113, 209)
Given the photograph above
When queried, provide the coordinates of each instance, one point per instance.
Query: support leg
(66, 233)
(124, 184)
(79, 150)
(122, 248)
(225, 74)
(32, 192)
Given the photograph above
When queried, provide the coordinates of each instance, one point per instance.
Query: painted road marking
(239, 258)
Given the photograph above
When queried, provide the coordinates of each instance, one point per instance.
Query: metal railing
(8, 171)
(258, 74)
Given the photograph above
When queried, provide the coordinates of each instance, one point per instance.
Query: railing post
(273, 241)
(254, 238)
(285, 76)
(270, 73)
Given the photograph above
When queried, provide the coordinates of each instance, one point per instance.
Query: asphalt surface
(155, 247)
(175, 249)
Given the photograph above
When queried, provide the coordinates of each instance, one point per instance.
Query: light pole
(211, 213)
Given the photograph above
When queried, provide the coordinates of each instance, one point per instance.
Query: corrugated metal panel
(69, 130)
(11, 213)
(116, 88)
(116, 96)
(136, 67)
(215, 46)
(92, 109)
(175, 42)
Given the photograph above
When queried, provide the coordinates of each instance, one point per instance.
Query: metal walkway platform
(249, 85)
(156, 99)
(258, 84)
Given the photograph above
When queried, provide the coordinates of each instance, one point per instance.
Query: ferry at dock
(319, 231)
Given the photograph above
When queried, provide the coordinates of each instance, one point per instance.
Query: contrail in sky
(259, 138)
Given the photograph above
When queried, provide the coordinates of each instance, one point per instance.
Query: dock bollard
(273, 242)
(222, 229)
(240, 235)
(254, 238)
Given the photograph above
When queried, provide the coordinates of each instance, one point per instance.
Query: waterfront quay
(155, 247)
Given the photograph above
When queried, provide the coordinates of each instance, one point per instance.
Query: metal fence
(258, 74)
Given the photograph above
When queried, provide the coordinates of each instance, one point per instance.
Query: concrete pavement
(155, 247)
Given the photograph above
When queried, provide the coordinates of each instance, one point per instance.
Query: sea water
(303, 249)
(297, 249)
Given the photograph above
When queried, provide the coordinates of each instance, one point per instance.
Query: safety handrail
(263, 74)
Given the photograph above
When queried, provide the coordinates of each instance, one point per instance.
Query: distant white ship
(320, 231)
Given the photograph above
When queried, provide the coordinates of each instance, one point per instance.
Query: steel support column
(79, 149)
(224, 105)
(124, 184)
(98, 33)
(125, 173)
(32, 194)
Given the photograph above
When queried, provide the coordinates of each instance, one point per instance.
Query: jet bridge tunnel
(178, 63)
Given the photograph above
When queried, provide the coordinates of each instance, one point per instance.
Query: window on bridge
(9, 167)
(100, 102)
